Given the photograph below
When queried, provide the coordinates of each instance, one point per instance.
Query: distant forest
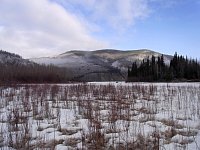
(154, 69)
(31, 74)
(18, 70)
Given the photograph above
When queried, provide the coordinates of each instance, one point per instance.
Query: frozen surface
(103, 115)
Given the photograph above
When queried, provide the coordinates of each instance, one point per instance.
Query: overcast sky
(36, 28)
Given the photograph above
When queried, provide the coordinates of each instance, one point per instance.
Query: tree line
(32, 73)
(15, 69)
(155, 69)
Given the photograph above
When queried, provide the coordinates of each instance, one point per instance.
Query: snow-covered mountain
(99, 65)
(12, 59)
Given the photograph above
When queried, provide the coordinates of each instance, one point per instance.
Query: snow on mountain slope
(12, 59)
(99, 63)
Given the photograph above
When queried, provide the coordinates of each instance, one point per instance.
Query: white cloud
(117, 13)
(34, 28)
(41, 27)
(167, 3)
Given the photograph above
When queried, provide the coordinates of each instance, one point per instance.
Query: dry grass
(97, 116)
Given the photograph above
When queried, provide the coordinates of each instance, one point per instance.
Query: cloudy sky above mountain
(35, 28)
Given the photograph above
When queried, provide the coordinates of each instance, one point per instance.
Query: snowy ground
(106, 115)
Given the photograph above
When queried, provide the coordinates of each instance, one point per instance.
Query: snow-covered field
(105, 115)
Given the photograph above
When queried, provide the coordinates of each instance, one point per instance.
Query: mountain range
(99, 65)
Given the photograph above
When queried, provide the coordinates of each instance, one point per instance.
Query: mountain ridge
(99, 65)
(13, 59)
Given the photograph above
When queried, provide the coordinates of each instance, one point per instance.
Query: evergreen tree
(180, 68)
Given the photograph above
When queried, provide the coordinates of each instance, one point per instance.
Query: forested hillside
(155, 69)
(15, 69)
(99, 65)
